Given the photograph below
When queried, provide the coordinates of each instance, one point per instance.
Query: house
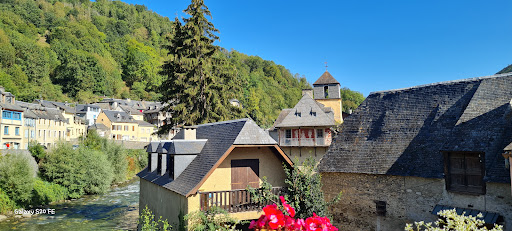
(76, 126)
(29, 128)
(210, 165)
(305, 130)
(154, 115)
(124, 127)
(11, 122)
(88, 112)
(405, 154)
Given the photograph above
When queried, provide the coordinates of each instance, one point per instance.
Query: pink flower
(274, 215)
(316, 223)
(287, 207)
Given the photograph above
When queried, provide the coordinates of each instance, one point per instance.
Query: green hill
(507, 69)
(77, 50)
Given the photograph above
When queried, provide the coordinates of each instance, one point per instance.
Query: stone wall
(408, 199)
(132, 144)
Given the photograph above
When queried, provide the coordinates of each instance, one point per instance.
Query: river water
(116, 210)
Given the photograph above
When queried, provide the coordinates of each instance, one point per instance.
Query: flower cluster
(275, 219)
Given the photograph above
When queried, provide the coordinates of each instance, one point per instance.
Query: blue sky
(368, 45)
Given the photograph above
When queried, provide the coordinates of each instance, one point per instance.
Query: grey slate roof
(144, 123)
(181, 146)
(306, 113)
(402, 132)
(8, 106)
(29, 114)
(326, 78)
(130, 110)
(99, 126)
(119, 116)
(220, 136)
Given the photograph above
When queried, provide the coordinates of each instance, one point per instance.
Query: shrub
(46, 192)
(137, 160)
(16, 178)
(116, 156)
(37, 150)
(81, 171)
(148, 223)
(6, 204)
(115, 153)
(452, 221)
(214, 218)
(99, 172)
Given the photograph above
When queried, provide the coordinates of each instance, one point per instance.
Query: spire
(326, 78)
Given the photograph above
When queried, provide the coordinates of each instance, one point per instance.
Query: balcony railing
(306, 142)
(234, 201)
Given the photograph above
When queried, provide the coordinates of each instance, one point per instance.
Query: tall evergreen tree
(200, 81)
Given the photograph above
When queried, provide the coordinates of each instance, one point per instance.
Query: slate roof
(29, 114)
(8, 106)
(326, 78)
(144, 123)
(402, 132)
(118, 116)
(219, 138)
(181, 146)
(130, 110)
(306, 113)
(99, 126)
(82, 107)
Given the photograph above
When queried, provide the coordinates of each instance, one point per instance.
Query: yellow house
(211, 165)
(11, 133)
(124, 127)
(50, 126)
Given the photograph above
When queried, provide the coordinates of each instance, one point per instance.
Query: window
(7, 114)
(126, 128)
(465, 172)
(319, 133)
(326, 92)
(16, 116)
(288, 134)
(26, 133)
(17, 131)
(32, 134)
(6, 130)
(245, 172)
(133, 128)
(113, 127)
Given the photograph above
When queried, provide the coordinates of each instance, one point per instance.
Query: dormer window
(313, 113)
(298, 114)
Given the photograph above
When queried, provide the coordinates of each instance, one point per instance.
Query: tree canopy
(78, 50)
(350, 99)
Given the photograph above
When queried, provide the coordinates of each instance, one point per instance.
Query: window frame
(286, 133)
(17, 131)
(6, 130)
(448, 175)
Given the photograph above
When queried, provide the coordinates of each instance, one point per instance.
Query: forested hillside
(75, 50)
(507, 69)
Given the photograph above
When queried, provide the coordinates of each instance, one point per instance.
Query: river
(115, 210)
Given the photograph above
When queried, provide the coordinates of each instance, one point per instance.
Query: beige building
(124, 127)
(211, 165)
(11, 123)
(306, 130)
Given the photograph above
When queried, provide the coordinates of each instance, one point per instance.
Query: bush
(37, 150)
(148, 222)
(46, 192)
(6, 204)
(137, 160)
(214, 218)
(452, 221)
(99, 172)
(16, 178)
(116, 154)
(81, 171)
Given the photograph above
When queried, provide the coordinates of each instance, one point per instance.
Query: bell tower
(326, 90)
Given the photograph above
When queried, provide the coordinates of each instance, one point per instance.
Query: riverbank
(117, 209)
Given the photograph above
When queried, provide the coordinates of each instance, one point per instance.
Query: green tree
(351, 99)
(16, 177)
(200, 81)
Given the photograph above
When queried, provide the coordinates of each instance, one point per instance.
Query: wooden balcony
(304, 142)
(234, 201)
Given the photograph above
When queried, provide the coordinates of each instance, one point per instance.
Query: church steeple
(326, 90)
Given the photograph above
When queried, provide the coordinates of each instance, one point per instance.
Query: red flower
(317, 223)
(274, 215)
(287, 207)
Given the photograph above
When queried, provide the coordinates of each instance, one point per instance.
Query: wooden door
(245, 172)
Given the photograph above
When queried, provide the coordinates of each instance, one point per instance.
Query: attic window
(313, 113)
(298, 114)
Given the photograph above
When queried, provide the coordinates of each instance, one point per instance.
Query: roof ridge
(223, 122)
(442, 83)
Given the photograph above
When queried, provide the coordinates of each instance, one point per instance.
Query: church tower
(326, 90)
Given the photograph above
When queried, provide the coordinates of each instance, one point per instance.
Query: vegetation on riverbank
(65, 172)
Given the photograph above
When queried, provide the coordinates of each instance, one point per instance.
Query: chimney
(307, 91)
(189, 132)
